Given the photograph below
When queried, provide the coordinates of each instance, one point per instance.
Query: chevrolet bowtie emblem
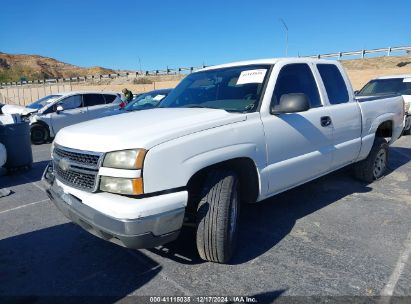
(64, 164)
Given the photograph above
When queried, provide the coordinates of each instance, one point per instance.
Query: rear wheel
(39, 134)
(375, 165)
(217, 217)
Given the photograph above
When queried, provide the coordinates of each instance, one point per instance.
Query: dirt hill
(14, 67)
(361, 71)
(33, 67)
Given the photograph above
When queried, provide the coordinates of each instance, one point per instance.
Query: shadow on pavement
(66, 261)
(268, 297)
(398, 157)
(264, 224)
(23, 177)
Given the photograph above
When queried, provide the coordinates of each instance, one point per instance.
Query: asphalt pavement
(331, 237)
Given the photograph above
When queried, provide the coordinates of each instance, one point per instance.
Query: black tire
(39, 134)
(406, 132)
(375, 165)
(217, 217)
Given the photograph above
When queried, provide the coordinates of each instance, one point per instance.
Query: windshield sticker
(251, 76)
(407, 80)
(159, 97)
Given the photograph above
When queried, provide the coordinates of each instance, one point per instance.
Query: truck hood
(142, 129)
(14, 109)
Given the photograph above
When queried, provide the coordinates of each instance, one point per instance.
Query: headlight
(126, 159)
(128, 186)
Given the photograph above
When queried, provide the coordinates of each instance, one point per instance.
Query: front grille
(78, 169)
(78, 157)
(75, 179)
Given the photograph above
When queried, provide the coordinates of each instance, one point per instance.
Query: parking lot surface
(334, 236)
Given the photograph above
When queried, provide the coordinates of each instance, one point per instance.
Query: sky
(127, 34)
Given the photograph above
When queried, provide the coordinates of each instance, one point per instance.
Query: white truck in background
(225, 136)
(394, 84)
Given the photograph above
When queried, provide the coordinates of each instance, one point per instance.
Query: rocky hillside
(15, 67)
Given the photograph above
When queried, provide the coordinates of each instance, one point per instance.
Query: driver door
(73, 112)
(299, 145)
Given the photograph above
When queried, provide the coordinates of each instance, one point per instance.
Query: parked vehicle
(395, 84)
(148, 100)
(3, 156)
(225, 136)
(31, 108)
(53, 112)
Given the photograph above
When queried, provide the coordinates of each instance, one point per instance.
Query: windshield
(234, 89)
(146, 101)
(386, 86)
(38, 104)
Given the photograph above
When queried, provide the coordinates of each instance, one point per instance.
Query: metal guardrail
(77, 79)
(362, 53)
(169, 71)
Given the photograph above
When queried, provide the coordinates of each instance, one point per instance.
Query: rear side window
(109, 98)
(297, 78)
(71, 102)
(93, 100)
(334, 83)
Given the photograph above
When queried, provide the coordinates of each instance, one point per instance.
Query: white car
(225, 136)
(394, 84)
(53, 112)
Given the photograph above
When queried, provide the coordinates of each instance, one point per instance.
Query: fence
(23, 92)
(362, 53)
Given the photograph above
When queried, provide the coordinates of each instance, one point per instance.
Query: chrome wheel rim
(380, 163)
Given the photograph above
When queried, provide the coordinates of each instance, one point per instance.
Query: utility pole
(139, 62)
(286, 36)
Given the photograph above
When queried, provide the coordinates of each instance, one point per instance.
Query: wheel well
(384, 129)
(248, 180)
(43, 124)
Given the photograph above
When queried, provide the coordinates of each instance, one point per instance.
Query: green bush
(142, 80)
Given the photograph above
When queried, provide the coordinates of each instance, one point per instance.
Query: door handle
(326, 121)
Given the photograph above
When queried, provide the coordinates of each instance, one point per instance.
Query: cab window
(297, 78)
(334, 83)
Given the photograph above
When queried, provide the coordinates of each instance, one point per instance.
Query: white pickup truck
(225, 136)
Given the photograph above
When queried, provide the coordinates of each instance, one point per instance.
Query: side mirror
(59, 109)
(292, 103)
(356, 92)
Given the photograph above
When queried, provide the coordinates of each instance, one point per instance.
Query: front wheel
(39, 134)
(217, 217)
(407, 129)
(375, 165)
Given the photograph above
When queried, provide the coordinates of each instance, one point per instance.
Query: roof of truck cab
(269, 61)
(395, 76)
